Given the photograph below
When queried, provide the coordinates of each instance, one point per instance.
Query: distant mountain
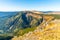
(54, 12)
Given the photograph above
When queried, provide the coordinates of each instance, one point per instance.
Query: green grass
(23, 31)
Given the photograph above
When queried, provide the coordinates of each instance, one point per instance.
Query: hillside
(50, 31)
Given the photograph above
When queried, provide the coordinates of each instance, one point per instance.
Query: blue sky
(19, 5)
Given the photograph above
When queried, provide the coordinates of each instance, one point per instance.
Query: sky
(21, 5)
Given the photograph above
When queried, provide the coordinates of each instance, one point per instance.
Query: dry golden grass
(48, 18)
